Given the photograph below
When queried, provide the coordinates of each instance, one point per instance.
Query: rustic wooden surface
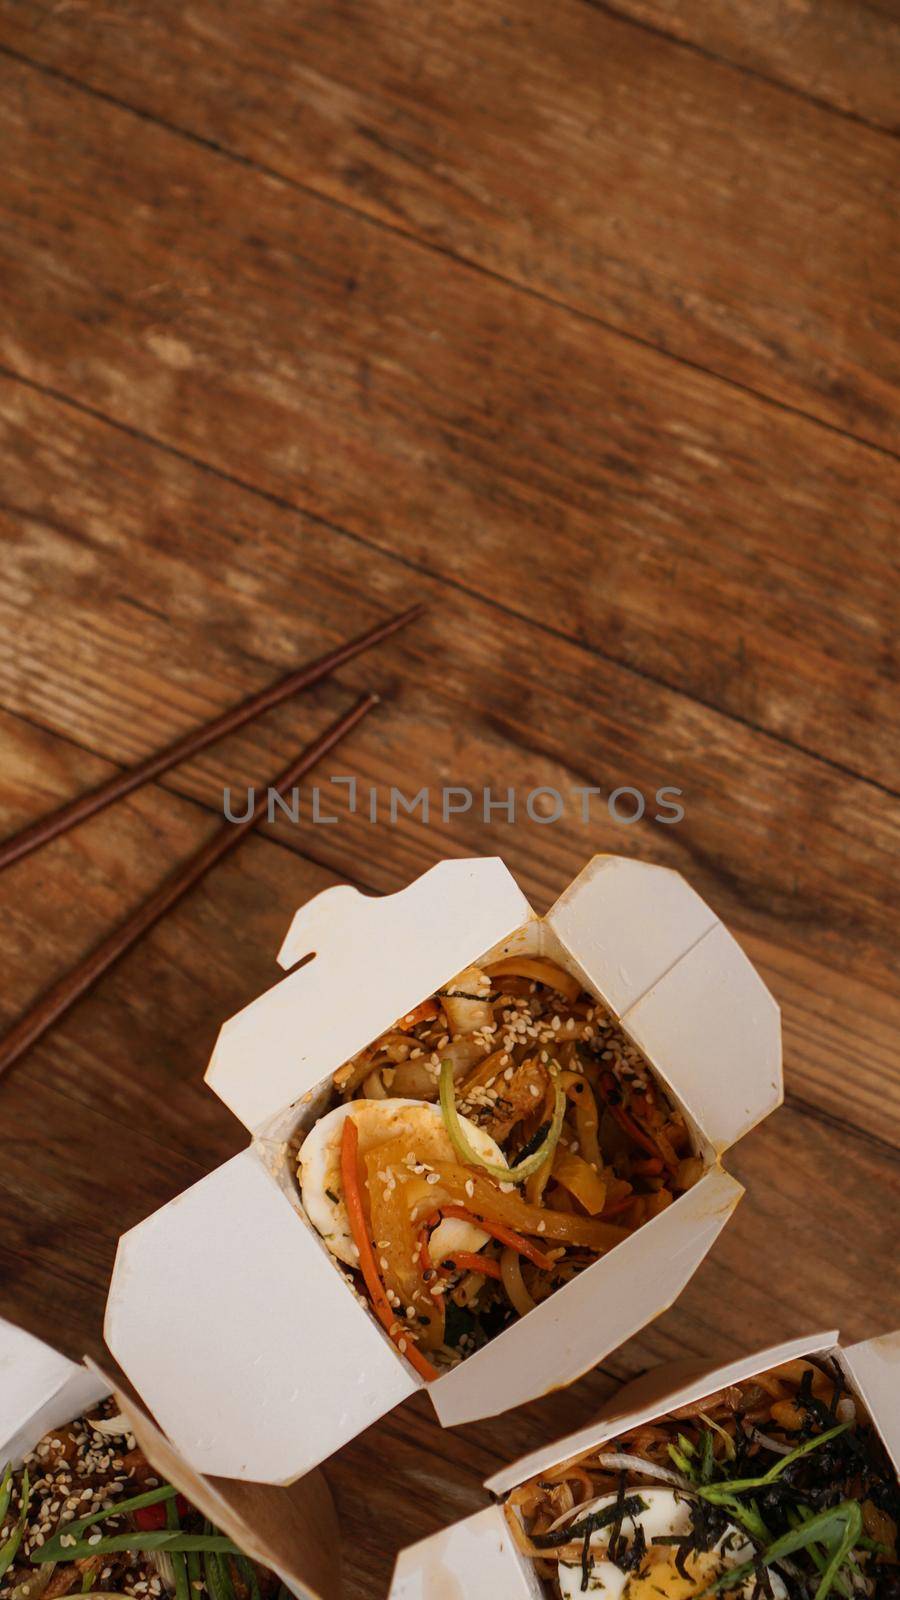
(575, 321)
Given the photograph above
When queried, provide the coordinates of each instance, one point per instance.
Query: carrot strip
(499, 1230)
(471, 1261)
(425, 1261)
(630, 1126)
(649, 1168)
(380, 1303)
(421, 1013)
(636, 1132)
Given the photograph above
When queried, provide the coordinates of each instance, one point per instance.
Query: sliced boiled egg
(418, 1122)
(656, 1575)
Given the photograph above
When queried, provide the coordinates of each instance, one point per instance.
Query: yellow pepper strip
(579, 1177)
(514, 1284)
(473, 1189)
(581, 1096)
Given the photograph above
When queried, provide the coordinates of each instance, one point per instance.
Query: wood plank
(141, 1064)
(669, 195)
(86, 1158)
(803, 1252)
(838, 52)
(830, 1267)
(742, 555)
(174, 592)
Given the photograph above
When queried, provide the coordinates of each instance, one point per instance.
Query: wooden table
(573, 320)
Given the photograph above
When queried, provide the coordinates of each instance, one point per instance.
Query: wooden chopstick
(86, 805)
(57, 1000)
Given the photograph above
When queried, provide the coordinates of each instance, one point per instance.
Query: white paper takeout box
(292, 1531)
(286, 1362)
(477, 1559)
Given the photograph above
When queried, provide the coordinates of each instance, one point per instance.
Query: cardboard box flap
(229, 1317)
(628, 922)
(571, 1331)
(681, 986)
(374, 958)
(39, 1390)
(650, 1396)
(873, 1369)
(473, 1560)
(292, 1530)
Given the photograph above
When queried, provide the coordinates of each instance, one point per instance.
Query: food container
(292, 1531)
(299, 1365)
(478, 1559)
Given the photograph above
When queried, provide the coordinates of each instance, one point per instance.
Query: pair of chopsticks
(57, 1000)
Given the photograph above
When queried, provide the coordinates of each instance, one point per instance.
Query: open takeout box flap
(873, 1370)
(573, 1329)
(472, 1560)
(294, 1530)
(651, 1396)
(627, 922)
(681, 986)
(39, 1390)
(232, 1321)
(374, 957)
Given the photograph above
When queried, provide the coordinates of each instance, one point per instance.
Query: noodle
(526, 1061)
(829, 1457)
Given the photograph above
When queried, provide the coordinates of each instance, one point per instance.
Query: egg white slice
(319, 1168)
(668, 1513)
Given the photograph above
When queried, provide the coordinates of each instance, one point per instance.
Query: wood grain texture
(839, 52)
(664, 193)
(155, 565)
(468, 305)
(658, 191)
(111, 1115)
(455, 422)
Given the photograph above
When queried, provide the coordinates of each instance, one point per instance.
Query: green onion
(10, 1549)
(179, 1565)
(248, 1572)
(139, 1543)
(218, 1578)
(470, 1158)
(713, 1492)
(217, 1574)
(5, 1490)
(841, 1526)
(730, 1450)
(842, 1549)
(817, 1556)
(59, 1552)
(681, 1460)
(745, 1516)
(707, 1459)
